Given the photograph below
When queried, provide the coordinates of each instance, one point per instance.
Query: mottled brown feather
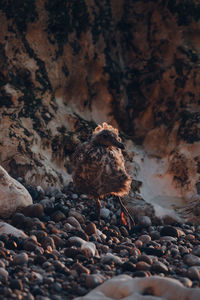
(99, 170)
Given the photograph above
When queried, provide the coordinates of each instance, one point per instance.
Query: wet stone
(93, 280)
(34, 210)
(105, 213)
(128, 266)
(90, 228)
(16, 284)
(142, 266)
(144, 221)
(194, 273)
(3, 275)
(80, 268)
(191, 260)
(169, 231)
(196, 250)
(20, 259)
(57, 216)
(159, 267)
(153, 251)
(145, 238)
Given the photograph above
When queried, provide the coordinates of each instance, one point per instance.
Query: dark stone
(34, 210)
(16, 284)
(169, 231)
(153, 251)
(128, 266)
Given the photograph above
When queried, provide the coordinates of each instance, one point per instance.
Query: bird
(99, 168)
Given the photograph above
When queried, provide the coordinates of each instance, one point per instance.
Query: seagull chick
(99, 166)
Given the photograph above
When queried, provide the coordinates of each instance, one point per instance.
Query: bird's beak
(119, 145)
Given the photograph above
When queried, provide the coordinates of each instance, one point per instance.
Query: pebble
(20, 259)
(80, 268)
(196, 250)
(77, 215)
(144, 221)
(191, 260)
(33, 210)
(128, 266)
(91, 228)
(159, 267)
(194, 273)
(109, 258)
(65, 254)
(92, 281)
(145, 238)
(142, 266)
(57, 216)
(105, 213)
(73, 222)
(3, 275)
(169, 231)
(16, 284)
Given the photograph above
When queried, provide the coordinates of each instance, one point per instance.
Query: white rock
(13, 195)
(128, 288)
(6, 228)
(88, 246)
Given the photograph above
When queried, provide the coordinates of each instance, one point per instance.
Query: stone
(13, 195)
(20, 259)
(145, 238)
(3, 275)
(34, 210)
(144, 221)
(58, 216)
(92, 280)
(77, 215)
(16, 284)
(7, 229)
(80, 268)
(74, 222)
(88, 247)
(109, 258)
(169, 231)
(196, 250)
(91, 228)
(142, 266)
(194, 273)
(191, 260)
(105, 213)
(159, 267)
(153, 287)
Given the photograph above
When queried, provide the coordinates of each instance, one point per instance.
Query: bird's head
(106, 137)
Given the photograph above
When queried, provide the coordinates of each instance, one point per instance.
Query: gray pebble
(191, 260)
(144, 221)
(196, 250)
(3, 275)
(20, 259)
(145, 238)
(105, 213)
(194, 273)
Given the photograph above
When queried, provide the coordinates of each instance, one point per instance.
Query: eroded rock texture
(67, 65)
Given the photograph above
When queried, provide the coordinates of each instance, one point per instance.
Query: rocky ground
(66, 254)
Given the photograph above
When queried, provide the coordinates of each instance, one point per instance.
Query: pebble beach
(64, 254)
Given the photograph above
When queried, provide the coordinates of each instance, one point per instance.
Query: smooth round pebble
(20, 259)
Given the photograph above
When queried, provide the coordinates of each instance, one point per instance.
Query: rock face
(13, 195)
(68, 65)
(152, 288)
